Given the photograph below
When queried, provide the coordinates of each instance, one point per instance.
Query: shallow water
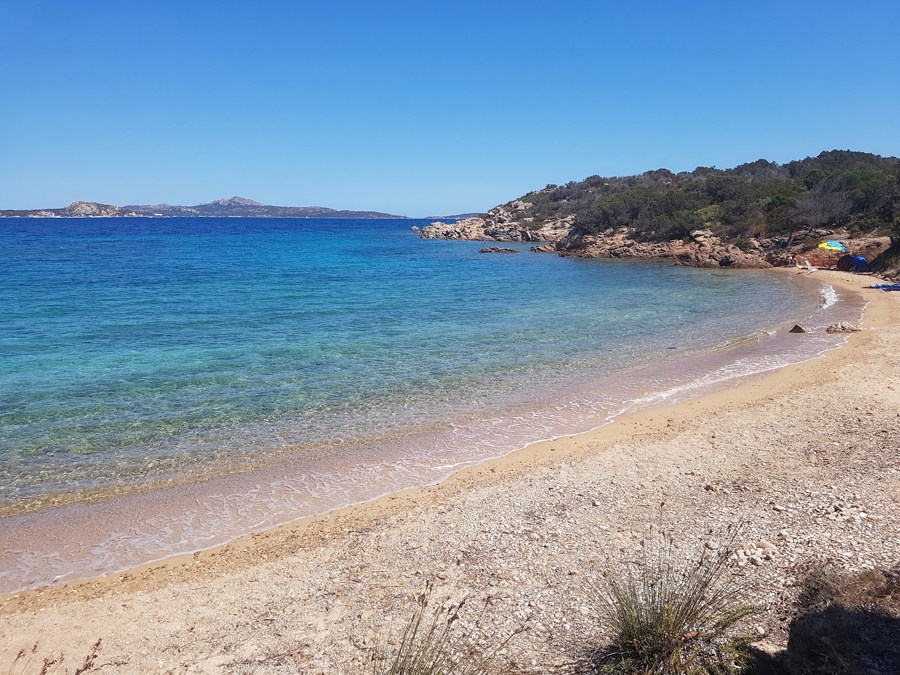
(174, 383)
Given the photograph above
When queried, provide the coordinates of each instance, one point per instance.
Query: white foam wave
(829, 296)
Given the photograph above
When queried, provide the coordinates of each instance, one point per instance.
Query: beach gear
(887, 287)
(833, 246)
(853, 263)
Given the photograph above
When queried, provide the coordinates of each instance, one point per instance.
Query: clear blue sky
(425, 108)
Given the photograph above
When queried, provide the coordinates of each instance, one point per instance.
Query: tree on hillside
(821, 207)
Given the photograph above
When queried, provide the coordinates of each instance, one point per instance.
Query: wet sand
(776, 453)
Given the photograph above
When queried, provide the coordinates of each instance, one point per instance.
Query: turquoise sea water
(200, 378)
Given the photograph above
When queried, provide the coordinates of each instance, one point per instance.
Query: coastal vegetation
(756, 215)
(856, 191)
(678, 611)
(436, 641)
(674, 611)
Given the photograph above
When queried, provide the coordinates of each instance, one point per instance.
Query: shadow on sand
(847, 624)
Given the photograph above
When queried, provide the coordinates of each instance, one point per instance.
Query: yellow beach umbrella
(833, 246)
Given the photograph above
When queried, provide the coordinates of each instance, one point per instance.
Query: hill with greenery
(840, 189)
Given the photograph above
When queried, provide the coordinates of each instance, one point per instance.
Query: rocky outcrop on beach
(703, 249)
(843, 327)
(511, 223)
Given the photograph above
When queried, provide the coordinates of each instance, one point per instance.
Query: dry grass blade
(25, 658)
(435, 642)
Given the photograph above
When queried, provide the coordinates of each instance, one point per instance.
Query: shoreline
(650, 442)
(100, 537)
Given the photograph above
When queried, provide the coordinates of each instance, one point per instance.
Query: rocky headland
(756, 215)
(512, 223)
(508, 223)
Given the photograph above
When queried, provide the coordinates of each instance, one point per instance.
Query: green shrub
(674, 612)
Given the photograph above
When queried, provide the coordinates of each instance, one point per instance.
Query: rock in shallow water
(842, 327)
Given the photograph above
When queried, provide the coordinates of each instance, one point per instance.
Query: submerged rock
(497, 249)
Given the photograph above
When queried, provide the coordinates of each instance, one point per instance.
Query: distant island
(235, 207)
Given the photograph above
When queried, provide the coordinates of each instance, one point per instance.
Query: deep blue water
(139, 351)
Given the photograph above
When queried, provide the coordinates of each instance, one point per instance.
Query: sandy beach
(805, 459)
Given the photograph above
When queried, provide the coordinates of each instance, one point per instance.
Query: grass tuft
(674, 612)
(436, 642)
